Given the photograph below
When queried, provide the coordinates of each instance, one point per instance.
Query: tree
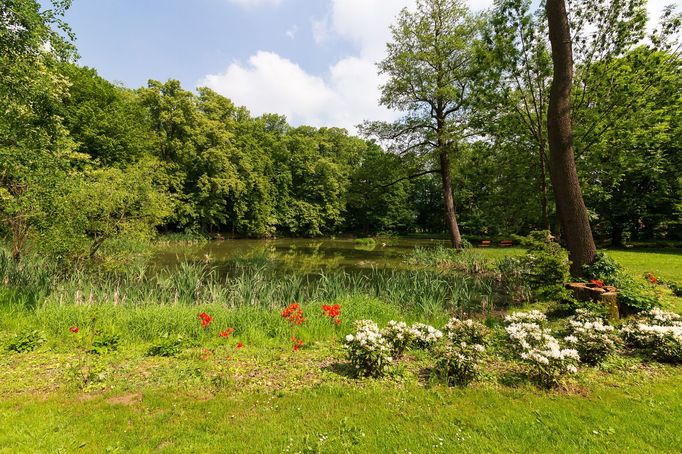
(568, 195)
(632, 170)
(516, 70)
(429, 69)
(35, 148)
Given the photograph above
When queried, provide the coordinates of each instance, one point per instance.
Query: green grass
(279, 401)
(266, 398)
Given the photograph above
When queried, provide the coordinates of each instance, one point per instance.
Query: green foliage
(631, 293)
(547, 265)
(25, 341)
(167, 346)
(104, 343)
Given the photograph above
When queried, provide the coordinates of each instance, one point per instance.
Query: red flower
(239, 345)
(227, 333)
(652, 278)
(294, 314)
(206, 354)
(74, 329)
(205, 319)
(298, 343)
(598, 282)
(333, 312)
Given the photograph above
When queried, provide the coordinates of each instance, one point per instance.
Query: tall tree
(429, 68)
(569, 198)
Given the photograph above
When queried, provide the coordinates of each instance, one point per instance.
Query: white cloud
(270, 83)
(254, 3)
(348, 92)
(291, 33)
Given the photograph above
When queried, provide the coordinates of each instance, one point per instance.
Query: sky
(313, 61)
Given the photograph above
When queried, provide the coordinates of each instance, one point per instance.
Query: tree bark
(449, 200)
(617, 235)
(569, 199)
(543, 190)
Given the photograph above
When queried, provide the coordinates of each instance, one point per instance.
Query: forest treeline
(88, 165)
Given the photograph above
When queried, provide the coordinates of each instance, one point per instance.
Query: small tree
(429, 69)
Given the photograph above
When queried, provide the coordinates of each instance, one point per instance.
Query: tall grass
(34, 283)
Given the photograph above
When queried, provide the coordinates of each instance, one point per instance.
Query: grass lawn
(286, 402)
(264, 397)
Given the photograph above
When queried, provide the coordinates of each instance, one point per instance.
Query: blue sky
(311, 60)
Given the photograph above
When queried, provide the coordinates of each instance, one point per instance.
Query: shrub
(459, 364)
(425, 336)
(105, 343)
(25, 342)
(535, 346)
(167, 346)
(630, 293)
(658, 334)
(466, 331)
(546, 260)
(603, 268)
(533, 316)
(513, 279)
(591, 337)
(368, 351)
(399, 336)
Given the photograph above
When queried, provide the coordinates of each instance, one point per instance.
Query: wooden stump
(606, 295)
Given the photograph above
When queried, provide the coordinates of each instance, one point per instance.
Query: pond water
(302, 255)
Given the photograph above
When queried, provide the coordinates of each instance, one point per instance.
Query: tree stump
(606, 295)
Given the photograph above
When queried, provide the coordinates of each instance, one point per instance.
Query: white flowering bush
(658, 334)
(533, 316)
(594, 339)
(662, 318)
(459, 364)
(368, 351)
(547, 362)
(425, 336)
(468, 331)
(399, 336)
(362, 325)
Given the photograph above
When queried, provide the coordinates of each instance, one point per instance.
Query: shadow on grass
(342, 368)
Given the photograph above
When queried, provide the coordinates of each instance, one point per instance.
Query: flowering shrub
(459, 361)
(361, 325)
(297, 343)
(598, 282)
(368, 351)
(425, 336)
(227, 333)
(547, 362)
(399, 336)
(205, 319)
(293, 314)
(333, 312)
(657, 333)
(533, 316)
(467, 331)
(591, 337)
(459, 364)
(663, 318)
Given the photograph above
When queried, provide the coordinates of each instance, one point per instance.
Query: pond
(301, 255)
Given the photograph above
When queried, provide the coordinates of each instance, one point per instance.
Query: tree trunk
(448, 199)
(569, 199)
(543, 190)
(617, 235)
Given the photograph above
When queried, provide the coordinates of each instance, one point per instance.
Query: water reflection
(301, 255)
